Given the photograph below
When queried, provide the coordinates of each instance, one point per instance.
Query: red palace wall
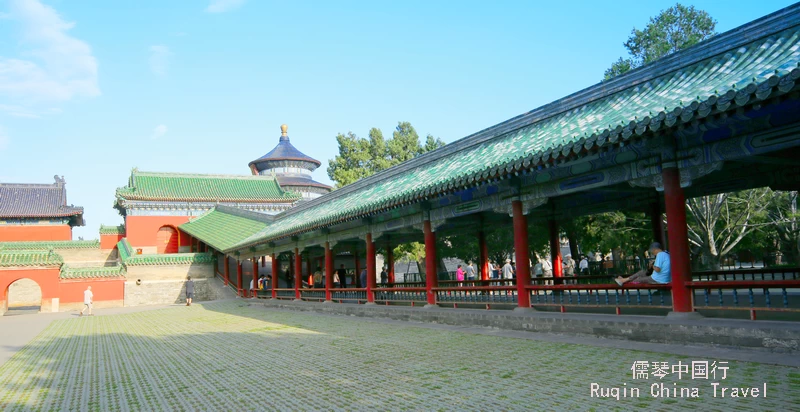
(141, 231)
(23, 233)
(108, 242)
(69, 292)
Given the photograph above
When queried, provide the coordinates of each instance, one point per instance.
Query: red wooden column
(657, 224)
(298, 273)
(370, 269)
(264, 261)
(239, 277)
(431, 278)
(274, 276)
(328, 271)
(227, 271)
(255, 277)
(555, 249)
(521, 254)
(680, 266)
(390, 262)
(484, 256)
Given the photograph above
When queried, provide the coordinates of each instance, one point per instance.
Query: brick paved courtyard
(228, 356)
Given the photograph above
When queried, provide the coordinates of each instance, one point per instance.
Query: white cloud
(221, 6)
(54, 67)
(159, 59)
(159, 131)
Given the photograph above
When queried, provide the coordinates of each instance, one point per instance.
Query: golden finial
(284, 128)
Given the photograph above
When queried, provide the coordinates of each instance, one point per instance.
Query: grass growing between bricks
(229, 356)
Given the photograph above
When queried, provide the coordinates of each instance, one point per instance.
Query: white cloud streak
(221, 6)
(159, 59)
(55, 68)
(159, 131)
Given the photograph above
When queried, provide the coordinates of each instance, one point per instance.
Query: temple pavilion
(291, 168)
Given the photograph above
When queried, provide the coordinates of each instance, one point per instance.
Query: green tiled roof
(203, 188)
(10, 258)
(92, 273)
(55, 244)
(223, 227)
(129, 259)
(715, 76)
(112, 230)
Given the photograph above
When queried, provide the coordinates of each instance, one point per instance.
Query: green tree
(674, 29)
(353, 162)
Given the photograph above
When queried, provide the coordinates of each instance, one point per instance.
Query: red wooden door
(167, 240)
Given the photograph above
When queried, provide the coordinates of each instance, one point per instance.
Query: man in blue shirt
(658, 273)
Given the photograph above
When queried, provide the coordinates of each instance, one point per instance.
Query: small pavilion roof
(23, 200)
(300, 181)
(185, 187)
(222, 227)
(752, 62)
(283, 151)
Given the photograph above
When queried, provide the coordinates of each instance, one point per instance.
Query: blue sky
(91, 89)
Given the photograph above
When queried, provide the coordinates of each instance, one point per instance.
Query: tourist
(537, 269)
(318, 278)
(460, 276)
(384, 277)
(508, 270)
(189, 290)
(337, 282)
(657, 273)
(87, 300)
(310, 281)
(363, 278)
(470, 272)
(342, 272)
(569, 266)
(547, 268)
(584, 265)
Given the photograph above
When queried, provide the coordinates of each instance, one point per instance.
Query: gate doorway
(23, 296)
(167, 240)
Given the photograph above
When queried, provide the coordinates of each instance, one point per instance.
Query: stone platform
(768, 336)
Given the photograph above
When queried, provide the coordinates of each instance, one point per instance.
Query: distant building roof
(21, 200)
(283, 151)
(300, 181)
(186, 187)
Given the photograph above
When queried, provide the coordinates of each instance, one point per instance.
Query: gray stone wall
(24, 292)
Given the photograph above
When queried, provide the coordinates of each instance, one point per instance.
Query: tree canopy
(359, 157)
(674, 29)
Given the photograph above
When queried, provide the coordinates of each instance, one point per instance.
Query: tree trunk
(573, 245)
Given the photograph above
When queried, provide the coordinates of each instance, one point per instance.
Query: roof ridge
(733, 39)
(247, 214)
(204, 175)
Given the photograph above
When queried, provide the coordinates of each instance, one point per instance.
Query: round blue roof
(283, 151)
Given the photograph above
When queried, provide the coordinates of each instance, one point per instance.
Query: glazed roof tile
(36, 200)
(203, 188)
(283, 151)
(222, 227)
(750, 63)
(92, 272)
(12, 258)
(51, 244)
(112, 230)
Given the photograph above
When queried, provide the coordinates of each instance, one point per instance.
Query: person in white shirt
(87, 300)
(547, 268)
(508, 270)
(584, 266)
